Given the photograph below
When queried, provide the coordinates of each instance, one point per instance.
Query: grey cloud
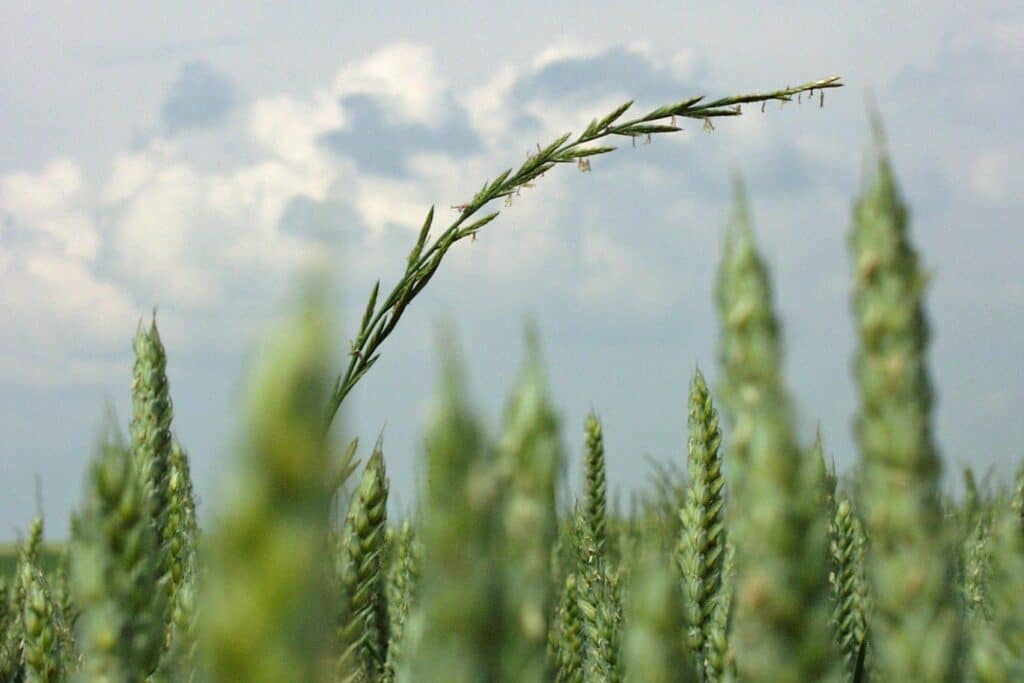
(382, 148)
(614, 70)
(201, 97)
(326, 222)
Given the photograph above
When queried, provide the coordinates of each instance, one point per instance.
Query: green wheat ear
(265, 608)
(701, 547)
(530, 459)
(599, 602)
(115, 577)
(460, 607)
(595, 504)
(401, 594)
(566, 637)
(847, 550)
(150, 431)
(777, 505)
(997, 653)
(916, 629)
(719, 659)
(7, 656)
(42, 625)
(363, 627)
(11, 639)
(653, 649)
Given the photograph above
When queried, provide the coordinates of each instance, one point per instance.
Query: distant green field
(49, 555)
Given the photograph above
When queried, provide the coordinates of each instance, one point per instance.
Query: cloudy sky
(194, 156)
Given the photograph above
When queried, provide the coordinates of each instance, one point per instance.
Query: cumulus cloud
(405, 78)
(46, 208)
(50, 291)
(210, 215)
(349, 168)
(353, 165)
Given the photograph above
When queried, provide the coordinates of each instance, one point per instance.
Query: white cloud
(48, 205)
(288, 128)
(57, 316)
(402, 74)
(131, 173)
(58, 312)
(487, 105)
(566, 48)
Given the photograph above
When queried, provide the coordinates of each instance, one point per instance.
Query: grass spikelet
(915, 630)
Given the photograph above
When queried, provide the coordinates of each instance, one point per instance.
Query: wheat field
(751, 560)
